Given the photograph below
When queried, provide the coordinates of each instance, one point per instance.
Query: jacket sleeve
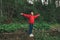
(26, 15)
(36, 15)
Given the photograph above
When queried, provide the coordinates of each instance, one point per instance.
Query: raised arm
(36, 15)
(25, 15)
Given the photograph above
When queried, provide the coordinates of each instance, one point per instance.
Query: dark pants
(30, 28)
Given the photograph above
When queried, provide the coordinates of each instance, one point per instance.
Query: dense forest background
(13, 26)
(10, 11)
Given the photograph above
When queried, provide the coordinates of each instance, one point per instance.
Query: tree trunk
(1, 9)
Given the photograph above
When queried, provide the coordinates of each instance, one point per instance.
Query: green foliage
(11, 27)
(8, 27)
(45, 36)
(39, 34)
(41, 26)
(14, 26)
(12, 9)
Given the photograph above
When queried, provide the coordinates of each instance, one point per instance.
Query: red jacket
(31, 18)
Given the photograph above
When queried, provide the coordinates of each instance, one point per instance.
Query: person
(31, 18)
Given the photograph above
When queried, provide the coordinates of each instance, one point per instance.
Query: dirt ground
(19, 35)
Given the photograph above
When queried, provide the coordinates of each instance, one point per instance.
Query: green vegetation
(39, 31)
(11, 20)
(11, 27)
(15, 26)
(45, 36)
(11, 10)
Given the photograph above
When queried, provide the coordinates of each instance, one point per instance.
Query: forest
(46, 27)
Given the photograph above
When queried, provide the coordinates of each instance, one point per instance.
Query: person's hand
(21, 13)
(38, 14)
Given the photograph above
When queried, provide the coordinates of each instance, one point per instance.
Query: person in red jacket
(31, 18)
